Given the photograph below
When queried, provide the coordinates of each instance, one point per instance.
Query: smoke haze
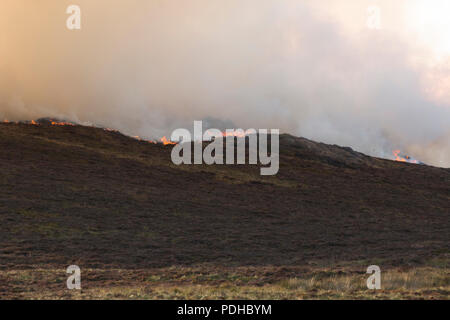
(309, 68)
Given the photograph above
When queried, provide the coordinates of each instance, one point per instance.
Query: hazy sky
(312, 68)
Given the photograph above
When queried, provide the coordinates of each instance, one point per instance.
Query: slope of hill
(99, 199)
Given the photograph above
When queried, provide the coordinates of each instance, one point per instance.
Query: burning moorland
(57, 122)
(117, 207)
(397, 155)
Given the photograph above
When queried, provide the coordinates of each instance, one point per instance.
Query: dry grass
(242, 283)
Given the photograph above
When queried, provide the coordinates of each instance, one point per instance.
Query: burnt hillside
(84, 195)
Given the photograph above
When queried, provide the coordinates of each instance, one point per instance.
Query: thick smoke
(147, 67)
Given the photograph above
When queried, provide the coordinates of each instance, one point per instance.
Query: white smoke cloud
(147, 67)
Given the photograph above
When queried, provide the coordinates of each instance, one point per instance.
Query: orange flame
(54, 123)
(165, 141)
(144, 140)
(403, 158)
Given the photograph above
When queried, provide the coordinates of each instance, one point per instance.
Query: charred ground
(99, 199)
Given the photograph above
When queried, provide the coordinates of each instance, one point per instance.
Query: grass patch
(242, 283)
